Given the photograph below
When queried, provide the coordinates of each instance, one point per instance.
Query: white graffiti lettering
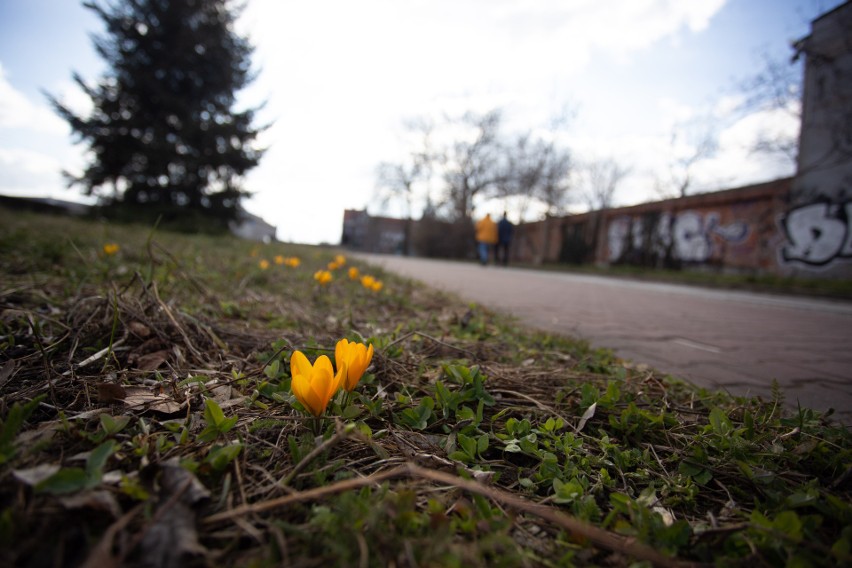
(688, 235)
(818, 233)
(616, 236)
(691, 241)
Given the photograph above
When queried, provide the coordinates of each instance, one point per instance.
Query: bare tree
(554, 183)
(690, 143)
(471, 163)
(538, 168)
(395, 180)
(600, 181)
(398, 180)
(777, 88)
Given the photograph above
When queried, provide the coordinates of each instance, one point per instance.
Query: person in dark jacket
(505, 228)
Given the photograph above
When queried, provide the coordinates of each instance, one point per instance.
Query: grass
(147, 419)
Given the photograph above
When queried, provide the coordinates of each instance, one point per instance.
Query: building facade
(818, 223)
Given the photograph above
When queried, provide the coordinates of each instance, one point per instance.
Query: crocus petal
(324, 383)
(323, 377)
(302, 384)
(299, 365)
(301, 389)
(356, 357)
(341, 350)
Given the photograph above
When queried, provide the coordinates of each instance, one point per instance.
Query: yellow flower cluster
(367, 281)
(338, 262)
(371, 283)
(323, 277)
(291, 261)
(110, 249)
(315, 385)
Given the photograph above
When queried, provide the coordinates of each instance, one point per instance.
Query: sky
(340, 78)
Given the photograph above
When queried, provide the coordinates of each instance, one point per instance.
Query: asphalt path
(729, 340)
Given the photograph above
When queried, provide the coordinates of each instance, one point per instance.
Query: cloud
(735, 158)
(36, 146)
(25, 172)
(341, 77)
(18, 111)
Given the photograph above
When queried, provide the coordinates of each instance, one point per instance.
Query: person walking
(486, 237)
(505, 228)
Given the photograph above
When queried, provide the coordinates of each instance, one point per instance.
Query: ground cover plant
(155, 412)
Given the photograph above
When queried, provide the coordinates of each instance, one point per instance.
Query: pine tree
(163, 131)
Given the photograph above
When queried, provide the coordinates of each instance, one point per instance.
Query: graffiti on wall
(818, 234)
(688, 236)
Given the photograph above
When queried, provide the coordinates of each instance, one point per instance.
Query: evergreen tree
(163, 131)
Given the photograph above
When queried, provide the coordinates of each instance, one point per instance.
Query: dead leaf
(139, 329)
(142, 398)
(33, 475)
(665, 514)
(172, 541)
(152, 361)
(111, 392)
(587, 415)
(97, 500)
(221, 393)
(7, 371)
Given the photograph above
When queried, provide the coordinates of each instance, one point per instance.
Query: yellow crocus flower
(355, 357)
(340, 260)
(293, 261)
(353, 273)
(377, 286)
(279, 260)
(367, 281)
(314, 385)
(110, 249)
(322, 276)
(263, 264)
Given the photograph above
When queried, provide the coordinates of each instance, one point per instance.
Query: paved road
(737, 341)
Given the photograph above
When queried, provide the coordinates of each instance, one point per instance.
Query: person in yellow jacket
(486, 237)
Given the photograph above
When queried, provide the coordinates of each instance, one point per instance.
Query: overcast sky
(340, 77)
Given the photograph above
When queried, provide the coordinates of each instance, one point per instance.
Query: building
(818, 223)
(252, 227)
(367, 233)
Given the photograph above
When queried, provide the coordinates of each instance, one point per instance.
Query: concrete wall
(734, 230)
